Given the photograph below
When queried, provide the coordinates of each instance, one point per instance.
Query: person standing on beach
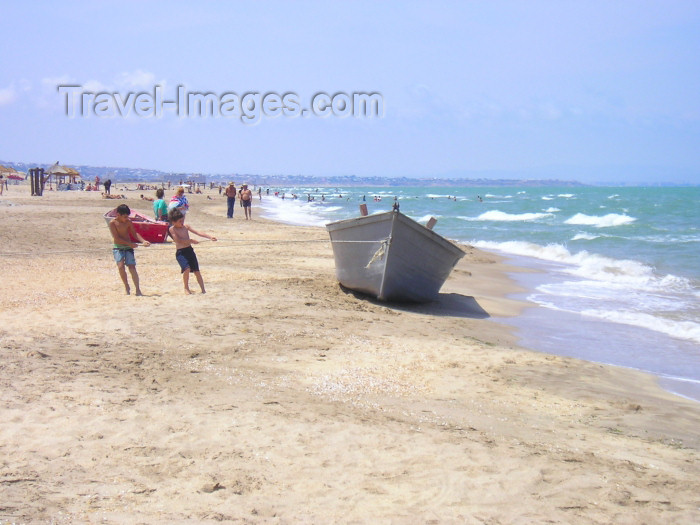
(122, 230)
(230, 199)
(108, 185)
(185, 255)
(179, 202)
(160, 208)
(247, 201)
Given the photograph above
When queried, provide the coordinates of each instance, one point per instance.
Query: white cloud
(128, 80)
(48, 97)
(137, 79)
(95, 86)
(549, 111)
(8, 95)
(54, 82)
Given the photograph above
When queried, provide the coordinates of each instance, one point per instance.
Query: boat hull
(152, 231)
(391, 257)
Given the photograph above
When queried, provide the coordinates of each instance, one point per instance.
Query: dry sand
(279, 398)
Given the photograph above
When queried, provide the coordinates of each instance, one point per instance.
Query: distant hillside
(543, 176)
(104, 172)
(148, 175)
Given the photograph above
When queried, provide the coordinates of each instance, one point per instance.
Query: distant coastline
(469, 179)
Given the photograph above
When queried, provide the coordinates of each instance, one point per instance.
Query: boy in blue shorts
(122, 230)
(185, 255)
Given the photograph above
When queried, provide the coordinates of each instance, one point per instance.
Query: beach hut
(10, 175)
(8, 172)
(63, 175)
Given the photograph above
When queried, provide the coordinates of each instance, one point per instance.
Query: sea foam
(605, 221)
(495, 215)
(679, 329)
(586, 265)
(622, 291)
(584, 237)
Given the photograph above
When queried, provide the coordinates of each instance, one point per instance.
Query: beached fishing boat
(391, 257)
(149, 229)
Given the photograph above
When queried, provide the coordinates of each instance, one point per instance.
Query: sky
(576, 90)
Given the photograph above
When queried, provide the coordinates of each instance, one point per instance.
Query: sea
(615, 270)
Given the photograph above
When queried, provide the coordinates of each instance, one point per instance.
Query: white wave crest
(551, 252)
(623, 272)
(495, 215)
(425, 218)
(605, 221)
(680, 329)
(584, 237)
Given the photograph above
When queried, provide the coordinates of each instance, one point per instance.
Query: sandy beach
(278, 397)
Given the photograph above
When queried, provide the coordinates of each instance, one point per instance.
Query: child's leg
(122, 274)
(200, 281)
(186, 280)
(135, 278)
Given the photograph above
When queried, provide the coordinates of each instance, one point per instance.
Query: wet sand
(278, 397)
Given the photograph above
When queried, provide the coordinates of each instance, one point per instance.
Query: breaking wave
(605, 221)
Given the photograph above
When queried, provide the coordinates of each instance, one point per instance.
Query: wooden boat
(151, 230)
(391, 257)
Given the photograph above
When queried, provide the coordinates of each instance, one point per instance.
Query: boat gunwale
(393, 216)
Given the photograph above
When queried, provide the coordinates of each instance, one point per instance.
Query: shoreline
(278, 397)
(591, 339)
(540, 329)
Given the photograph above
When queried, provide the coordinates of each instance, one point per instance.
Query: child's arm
(139, 237)
(136, 234)
(205, 235)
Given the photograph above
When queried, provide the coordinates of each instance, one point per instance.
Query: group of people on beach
(123, 231)
(245, 197)
(172, 212)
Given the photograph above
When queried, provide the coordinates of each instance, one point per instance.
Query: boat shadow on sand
(446, 304)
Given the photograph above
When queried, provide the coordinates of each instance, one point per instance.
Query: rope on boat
(379, 254)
